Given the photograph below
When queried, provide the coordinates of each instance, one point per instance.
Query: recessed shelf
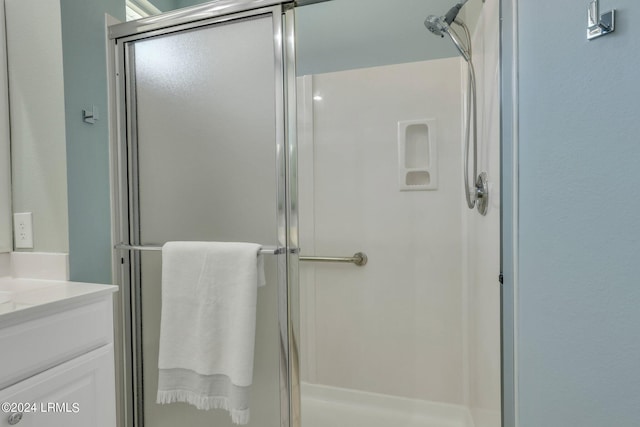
(417, 162)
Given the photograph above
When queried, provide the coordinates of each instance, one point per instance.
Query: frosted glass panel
(207, 171)
(206, 134)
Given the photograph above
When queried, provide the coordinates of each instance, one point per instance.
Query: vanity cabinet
(57, 361)
(77, 393)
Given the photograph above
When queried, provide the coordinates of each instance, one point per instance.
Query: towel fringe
(238, 416)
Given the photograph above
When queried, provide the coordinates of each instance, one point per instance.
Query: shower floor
(324, 406)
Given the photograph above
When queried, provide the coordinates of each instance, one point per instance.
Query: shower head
(439, 25)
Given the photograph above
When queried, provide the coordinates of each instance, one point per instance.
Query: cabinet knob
(15, 418)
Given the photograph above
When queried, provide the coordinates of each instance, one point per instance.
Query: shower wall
(396, 326)
(482, 247)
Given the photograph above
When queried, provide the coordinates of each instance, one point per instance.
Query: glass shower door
(204, 149)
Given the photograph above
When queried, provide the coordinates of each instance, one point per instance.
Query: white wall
(394, 326)
(38, 141)
(483, 241)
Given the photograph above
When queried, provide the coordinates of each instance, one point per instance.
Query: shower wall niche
(417, 154)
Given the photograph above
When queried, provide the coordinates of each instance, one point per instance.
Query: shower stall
(382, 298)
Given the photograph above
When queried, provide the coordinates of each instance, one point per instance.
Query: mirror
(38, 134)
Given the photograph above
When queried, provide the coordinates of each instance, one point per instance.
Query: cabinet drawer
(34, 346)
(78, 393)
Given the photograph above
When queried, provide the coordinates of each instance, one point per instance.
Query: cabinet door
(80, 392)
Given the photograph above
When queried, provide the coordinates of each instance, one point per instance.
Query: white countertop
(23, 299)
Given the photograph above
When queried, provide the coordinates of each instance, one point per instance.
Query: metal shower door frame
(125, 198)
(509, 218)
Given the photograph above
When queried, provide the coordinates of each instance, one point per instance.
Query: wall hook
(90, 116)
(599, 25)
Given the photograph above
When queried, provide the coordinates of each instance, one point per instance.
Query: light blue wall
(83, 44)
(579, 290)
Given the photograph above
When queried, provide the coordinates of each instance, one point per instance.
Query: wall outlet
(23, 230)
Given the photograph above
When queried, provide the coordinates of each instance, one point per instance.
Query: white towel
(207, 328)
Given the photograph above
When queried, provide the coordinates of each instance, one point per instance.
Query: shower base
(324, 406)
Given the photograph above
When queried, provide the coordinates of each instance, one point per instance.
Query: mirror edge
(6, 239)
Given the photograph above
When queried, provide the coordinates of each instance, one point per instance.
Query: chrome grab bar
(360, 259)
(265, 250)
